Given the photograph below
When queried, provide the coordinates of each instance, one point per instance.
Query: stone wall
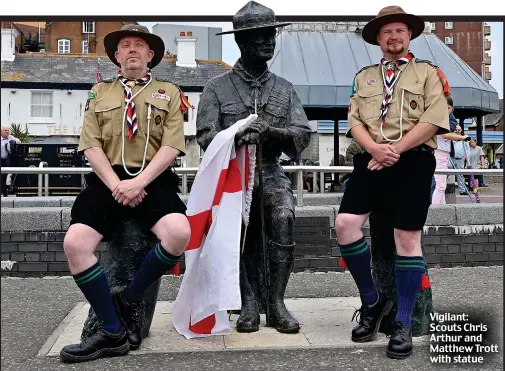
(33, 230)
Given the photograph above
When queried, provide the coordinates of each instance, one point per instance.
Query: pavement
(39, 312)
(491, 194)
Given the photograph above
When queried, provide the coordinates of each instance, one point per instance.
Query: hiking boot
(125, 312)
(400, 342)
(100, 344)
(370, 317)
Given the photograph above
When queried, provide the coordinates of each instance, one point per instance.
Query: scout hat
(391, 14)
(156, 44)
(253, 16)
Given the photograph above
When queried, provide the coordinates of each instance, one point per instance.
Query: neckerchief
(390, 80)
(131, 113)
(256, 83)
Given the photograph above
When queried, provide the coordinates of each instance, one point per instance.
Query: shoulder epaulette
(110, 79)
(161, 79)
(419, 60)
(440, 73)
(184, 101)
(366, 67)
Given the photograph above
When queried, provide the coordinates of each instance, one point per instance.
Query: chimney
(186, 50)
(9, 43)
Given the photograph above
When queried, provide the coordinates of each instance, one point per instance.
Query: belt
(423, 148)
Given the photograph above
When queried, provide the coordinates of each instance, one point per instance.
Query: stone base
(325, 322)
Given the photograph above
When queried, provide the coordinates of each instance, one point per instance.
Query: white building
(48, 92)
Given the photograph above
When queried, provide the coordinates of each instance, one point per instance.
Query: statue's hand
(257, 131)
(247, 138)
(260, 127)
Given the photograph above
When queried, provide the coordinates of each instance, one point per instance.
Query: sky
(231, 52)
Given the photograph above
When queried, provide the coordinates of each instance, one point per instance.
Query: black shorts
(404, 189)
(95, 206)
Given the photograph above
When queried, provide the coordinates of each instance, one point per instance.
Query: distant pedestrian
(6, 155)
(442, 156)
(476, 160)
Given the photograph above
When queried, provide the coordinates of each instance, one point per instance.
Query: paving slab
(36, 309)
(325, 322)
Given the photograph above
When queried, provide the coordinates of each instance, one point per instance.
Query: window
(63, 46)
(448, 25)
(84, 46)
(88, 27)
(433, 24)
(42, 104)
(448, 40)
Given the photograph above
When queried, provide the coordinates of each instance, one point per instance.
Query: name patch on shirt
(161, 96)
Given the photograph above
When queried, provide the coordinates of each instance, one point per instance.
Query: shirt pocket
(413, 101)
(159, 112)
(108, 112)
(278, 113)
(233, 112)
(370, 102)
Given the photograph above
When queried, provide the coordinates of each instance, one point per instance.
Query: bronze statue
(281, 127)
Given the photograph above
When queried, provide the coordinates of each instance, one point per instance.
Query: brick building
(25, 33)
(78, 37)
(469, 41)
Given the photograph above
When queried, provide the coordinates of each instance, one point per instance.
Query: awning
(322, 66)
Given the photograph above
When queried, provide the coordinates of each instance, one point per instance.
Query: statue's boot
(249, 319)
(281, 260)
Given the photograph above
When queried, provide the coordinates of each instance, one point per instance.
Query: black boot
(100, 344)
(370, 317)
(400, 342)
(126, 314)
(281, 259)
(249, 319)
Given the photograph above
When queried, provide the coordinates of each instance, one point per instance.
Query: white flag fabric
(218, 203)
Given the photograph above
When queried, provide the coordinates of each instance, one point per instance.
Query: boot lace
(360, 315)
(398, 329)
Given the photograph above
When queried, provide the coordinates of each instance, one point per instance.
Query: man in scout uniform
(397, 108)
(281, 127)
(132, 133)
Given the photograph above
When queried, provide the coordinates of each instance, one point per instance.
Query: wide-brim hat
(155, 42)
(253, 16)
(392, 14)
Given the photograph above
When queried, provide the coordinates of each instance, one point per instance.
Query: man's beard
(394, 50)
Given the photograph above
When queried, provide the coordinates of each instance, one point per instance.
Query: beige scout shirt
(103, 117)
(423, 101)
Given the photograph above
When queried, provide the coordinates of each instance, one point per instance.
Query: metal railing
(185, 171)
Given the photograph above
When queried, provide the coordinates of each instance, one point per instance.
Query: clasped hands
(253, 134)
(384, 155)
(129, 192)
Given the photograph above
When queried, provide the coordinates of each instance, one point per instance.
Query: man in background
(6, 156)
